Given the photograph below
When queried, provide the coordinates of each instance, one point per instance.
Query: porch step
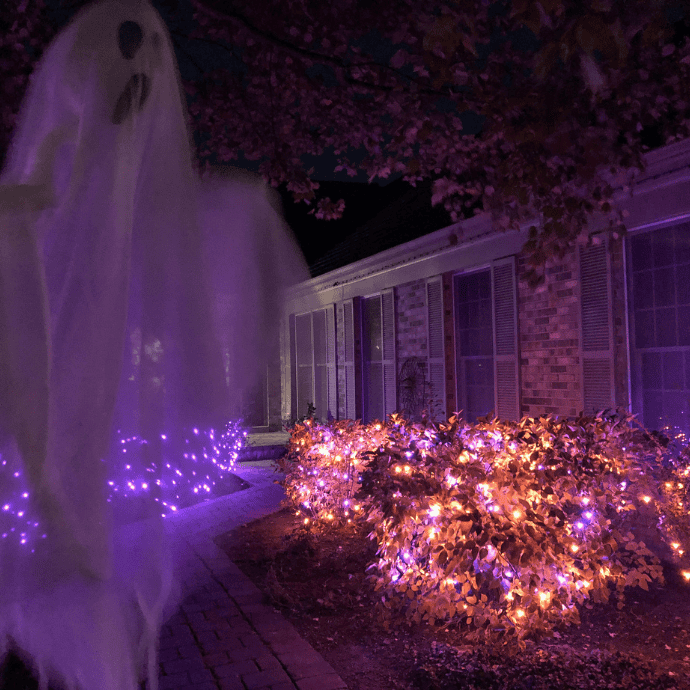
(264, 446)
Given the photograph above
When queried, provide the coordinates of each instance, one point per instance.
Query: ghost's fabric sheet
(99, 247)
(251, 258)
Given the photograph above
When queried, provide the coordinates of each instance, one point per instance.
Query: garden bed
(318, 581)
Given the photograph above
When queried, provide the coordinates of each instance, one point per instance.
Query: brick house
(447, 321)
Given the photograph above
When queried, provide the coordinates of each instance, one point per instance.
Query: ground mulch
(319, 583)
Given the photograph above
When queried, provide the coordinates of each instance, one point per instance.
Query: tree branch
(178, 43)
(305, 53)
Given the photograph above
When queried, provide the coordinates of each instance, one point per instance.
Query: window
(474, 331)
(313, 349)
(378, 357)
(659, 282)
(487, 368)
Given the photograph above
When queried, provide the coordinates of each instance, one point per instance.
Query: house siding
(555, 321)
(548, 334)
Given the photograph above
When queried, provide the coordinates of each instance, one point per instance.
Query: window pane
(641, 251)
(473, 342)
(673, 370)
(373, 334)
(373, 391)
(652, 409)
(644, 328)
(463, 315)
(684, 326)
(485, 315)
(651, 371)
(486, 342)
(682, 238)
(675, 411)
(475, 312)
(305, 394)
(683, 283)
(304, 345)
(643, 292)
(664, 287)
(319, 337)
(662, 244)
(479, 384)
(484, 280)
(666, 327)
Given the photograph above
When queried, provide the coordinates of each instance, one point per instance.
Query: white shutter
(390, 402)
(305, 363)
(596, 329)
(436, 353)
(331, 362)
(349, 362)
(293, 369)
(506, 361)
(340, 358)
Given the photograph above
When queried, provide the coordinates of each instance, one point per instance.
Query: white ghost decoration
(252, 257)
(105, 314)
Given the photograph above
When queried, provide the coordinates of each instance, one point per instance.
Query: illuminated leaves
(498, 526)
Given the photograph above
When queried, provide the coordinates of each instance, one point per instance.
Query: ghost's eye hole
(134, 95)
(129, 38)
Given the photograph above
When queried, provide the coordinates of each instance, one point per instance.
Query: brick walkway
(223, 637)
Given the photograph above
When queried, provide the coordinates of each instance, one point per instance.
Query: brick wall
(549, 318)
(411, 336)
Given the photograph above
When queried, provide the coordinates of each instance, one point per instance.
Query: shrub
(504, 528)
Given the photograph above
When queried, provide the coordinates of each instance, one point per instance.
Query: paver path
(223, 637)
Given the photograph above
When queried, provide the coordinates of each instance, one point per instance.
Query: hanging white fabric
(99, 247)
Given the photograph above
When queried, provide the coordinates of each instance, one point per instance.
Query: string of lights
(196, 465)
(512, 525)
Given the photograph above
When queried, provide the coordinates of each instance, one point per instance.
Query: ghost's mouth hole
(133, 96)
